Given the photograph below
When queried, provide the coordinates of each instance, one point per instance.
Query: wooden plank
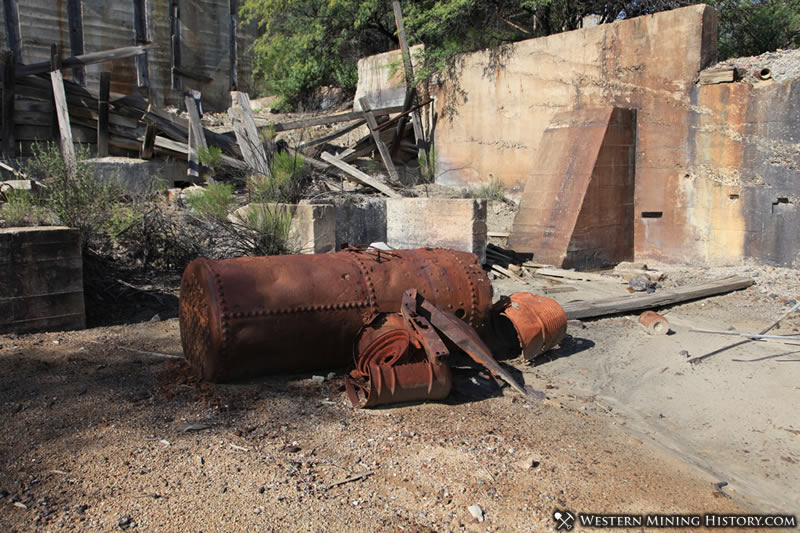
(141, 37)
(408, 66)
(11, 12)
(86, 59)
(329, 119)
(62, 113)
(359, 176)
(571, 274)
(247, 135)
(75, 17)
(233, 45)
(8, 147)
(336, 134)
(197, 139)
(507, 273)
(638, 302)
(376, 135)
(711, 77)
(102, 114)
(401, 122)
(148, 144)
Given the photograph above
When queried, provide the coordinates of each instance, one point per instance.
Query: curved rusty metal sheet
(540, 322)
(251, 316)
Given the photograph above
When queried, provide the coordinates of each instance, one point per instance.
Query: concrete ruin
(715, 165)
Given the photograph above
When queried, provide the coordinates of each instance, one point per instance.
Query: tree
(752, 27)
(308, 43)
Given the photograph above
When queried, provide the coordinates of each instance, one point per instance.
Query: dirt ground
(108, 429)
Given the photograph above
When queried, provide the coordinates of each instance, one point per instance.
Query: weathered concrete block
(312, 229)
(381, 78)
(139, 175)
(459, 224)
(577, 209)
(360, 220)
(41, 280)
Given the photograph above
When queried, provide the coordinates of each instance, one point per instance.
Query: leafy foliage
(308, 43)
(752, 27)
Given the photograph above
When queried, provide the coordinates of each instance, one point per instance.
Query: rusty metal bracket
(422, 333)
(462, 336)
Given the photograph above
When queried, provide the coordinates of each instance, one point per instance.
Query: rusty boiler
(251, 316)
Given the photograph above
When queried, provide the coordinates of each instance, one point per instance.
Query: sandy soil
(97, 430)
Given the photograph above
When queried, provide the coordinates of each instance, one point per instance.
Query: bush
(491, 191)
(22, 208)
(78, 200)
(213, 202)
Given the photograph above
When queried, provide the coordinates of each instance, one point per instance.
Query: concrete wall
(205, 38)
(697, 147)
(381, 78)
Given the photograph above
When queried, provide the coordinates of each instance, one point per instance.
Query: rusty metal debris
(392, 312)
(540, 323)
(653, 323)
(251, 316)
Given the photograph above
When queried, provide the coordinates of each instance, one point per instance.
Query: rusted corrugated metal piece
(390, 368)
(457, 331)
(540, 322)
(653, 323)
(257, 315)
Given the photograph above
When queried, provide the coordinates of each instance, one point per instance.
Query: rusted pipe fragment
(403, 383)
(764, 74)
(250, 316)
(540, 323)
(653, 323)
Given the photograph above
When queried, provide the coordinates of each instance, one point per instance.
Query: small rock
(124, 522)
(156, 318)
(527, 463)
(476, 511)
(317, 379)
(640, 283)
(56, 342)
(261, 490)
(330, 376)
(684, 353)
(576, 324)
(80, 509)
(199, 460)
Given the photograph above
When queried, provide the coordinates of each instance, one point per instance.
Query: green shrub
(210, 156)
(23, 209)
(212, 202)
(77, 199)
(491, 191)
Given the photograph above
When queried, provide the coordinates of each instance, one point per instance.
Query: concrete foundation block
(139, 175)
(360, 220)
(312, 229)
(459, 224)
(41, 280)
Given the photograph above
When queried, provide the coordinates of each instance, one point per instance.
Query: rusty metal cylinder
(540, 323)
(252, 316)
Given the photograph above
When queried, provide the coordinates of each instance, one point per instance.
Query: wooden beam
(329, 119)
(60, 97)
(141, 37)
(102, 114)
(408, 66)
(359, 176)
(75, 17)
(247, 135)
(233, 45)
(8, 147)
(334, 135)
(710, 77)
(662, 298)
(376, 134)
(197, 138)
(148, 144)
(92, 58)
(11, 12)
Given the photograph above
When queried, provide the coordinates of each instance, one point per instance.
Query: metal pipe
(251, 316)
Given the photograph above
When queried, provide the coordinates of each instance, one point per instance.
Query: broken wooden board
(638, 302)
(241, 114)
(359, 176)
(711, 77)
